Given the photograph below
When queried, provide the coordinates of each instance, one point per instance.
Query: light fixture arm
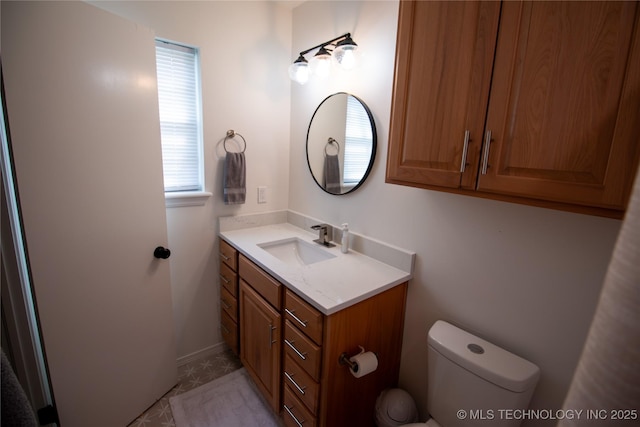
(343, 47)
(344, 36)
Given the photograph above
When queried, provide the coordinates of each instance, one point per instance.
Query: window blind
(357, 144)
(180, 124)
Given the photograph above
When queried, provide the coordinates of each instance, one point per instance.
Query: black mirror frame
(374, 144)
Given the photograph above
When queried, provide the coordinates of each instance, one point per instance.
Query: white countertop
(329, 285)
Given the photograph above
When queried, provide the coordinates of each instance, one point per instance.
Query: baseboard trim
(201, 354)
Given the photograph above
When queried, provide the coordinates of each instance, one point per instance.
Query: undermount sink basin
(295, 251)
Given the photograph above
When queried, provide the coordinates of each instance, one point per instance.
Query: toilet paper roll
(364, 363)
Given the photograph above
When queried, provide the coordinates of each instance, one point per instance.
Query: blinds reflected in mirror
(357, 144)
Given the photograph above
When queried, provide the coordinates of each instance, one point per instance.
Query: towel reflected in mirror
(331, 176)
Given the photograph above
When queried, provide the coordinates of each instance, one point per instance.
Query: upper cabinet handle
(485, 158)
(465, 148)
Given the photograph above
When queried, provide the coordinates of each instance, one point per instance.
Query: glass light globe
(299, 70)
(321, 63)
(345, 53)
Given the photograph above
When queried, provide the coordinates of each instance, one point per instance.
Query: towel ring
(329, 142)
(230, 135)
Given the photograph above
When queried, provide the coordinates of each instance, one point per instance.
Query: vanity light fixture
(343, 48)
(321, 63)
(345, 52)
(299, 70)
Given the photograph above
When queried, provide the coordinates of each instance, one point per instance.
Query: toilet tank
(473, 382)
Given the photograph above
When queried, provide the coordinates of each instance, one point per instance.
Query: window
(357, 142)
(180, 116)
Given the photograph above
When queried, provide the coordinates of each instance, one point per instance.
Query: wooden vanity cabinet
(303, 356)
(318, 390)
(376, 324)
(529, 102)
(292, 350)
(261, 329)
(229, 295)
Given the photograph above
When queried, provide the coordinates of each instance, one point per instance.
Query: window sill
(186, 198)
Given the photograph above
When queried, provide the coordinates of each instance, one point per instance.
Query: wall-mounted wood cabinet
(530, 102)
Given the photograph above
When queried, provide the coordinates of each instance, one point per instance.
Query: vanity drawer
(301, 384)
(229, 279)
(229, 331)
(294, 413)
(229, 304)
(269, 288)
(302, 350)
(228, 255)
(303, 316)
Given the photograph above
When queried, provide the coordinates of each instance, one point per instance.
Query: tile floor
(190, 376)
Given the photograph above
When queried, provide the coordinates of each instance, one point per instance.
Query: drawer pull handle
(465, 149)
(291, 313)
(290, 378)
(271, 340)
(225, 304)
(286, 408)
(225, 330)
(226, 258)
(224, 279)
(302, 356)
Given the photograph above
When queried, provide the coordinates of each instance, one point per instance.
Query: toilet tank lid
(483, 358)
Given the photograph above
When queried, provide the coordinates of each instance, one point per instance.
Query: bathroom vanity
(297, 317)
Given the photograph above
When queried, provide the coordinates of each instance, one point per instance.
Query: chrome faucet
(325, 234)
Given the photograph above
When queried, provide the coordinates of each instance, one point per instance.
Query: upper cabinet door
(564, 109)
(444, 58)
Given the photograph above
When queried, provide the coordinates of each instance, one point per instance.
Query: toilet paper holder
(344, 359)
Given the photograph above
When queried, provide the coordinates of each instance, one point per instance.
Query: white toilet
(473, 382)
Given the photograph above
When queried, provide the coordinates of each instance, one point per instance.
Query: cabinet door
(444, 57)
(564, 110)
(260, 343)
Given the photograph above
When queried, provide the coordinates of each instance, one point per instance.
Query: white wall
(522, 277)
(245, 48)
(525, 278)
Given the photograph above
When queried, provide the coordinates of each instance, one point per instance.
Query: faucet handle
(325, 234)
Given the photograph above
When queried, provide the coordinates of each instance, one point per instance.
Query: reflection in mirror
(341, 143)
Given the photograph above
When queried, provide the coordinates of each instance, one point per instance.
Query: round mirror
(341, 143)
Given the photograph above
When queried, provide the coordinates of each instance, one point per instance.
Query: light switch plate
(262, 194)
